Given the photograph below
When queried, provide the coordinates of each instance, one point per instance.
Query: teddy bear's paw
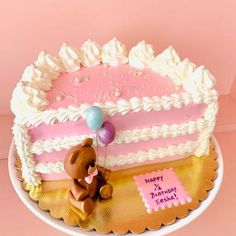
(105, 191)
(87, 205)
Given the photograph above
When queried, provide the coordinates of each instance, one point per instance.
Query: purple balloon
(106, 134)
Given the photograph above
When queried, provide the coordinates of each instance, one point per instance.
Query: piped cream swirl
(114, 53)
(50, 66)
(141, 55)
(35, 76)
(26, 98)
(182, 71)
(90, 53)
(70, 58)
(166, 62)
(201, 80)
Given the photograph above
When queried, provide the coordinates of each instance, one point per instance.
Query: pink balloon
(106, 134)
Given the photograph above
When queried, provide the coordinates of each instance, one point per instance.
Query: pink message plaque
(161, 189)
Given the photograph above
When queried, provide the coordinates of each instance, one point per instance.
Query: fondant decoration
(87, 180)
(106, 134)
(92, 172)
(94, 117)
(161, 189)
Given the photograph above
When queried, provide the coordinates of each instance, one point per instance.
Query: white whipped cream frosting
(36, 79)
(69, 57)
(33, 75)
(90, 53)
(27, 98)
(182, 71)
(166, 62)
(114, 53)
(141, 55)
(50, 66)
(201, 80)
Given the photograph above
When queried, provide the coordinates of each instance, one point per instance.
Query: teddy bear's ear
(73, 156)
(87, 142)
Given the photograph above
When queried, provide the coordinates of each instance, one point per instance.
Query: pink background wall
(202, 30)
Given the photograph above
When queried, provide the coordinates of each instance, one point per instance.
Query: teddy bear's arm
(78, 192)
(103, 173)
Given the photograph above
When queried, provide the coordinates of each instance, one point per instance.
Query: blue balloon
(94, 117)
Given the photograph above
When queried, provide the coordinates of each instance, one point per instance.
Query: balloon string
(105, 159)
(97, 145)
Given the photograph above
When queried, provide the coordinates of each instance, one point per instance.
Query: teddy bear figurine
(88, 179)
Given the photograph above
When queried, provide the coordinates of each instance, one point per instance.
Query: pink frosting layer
(98, 84)
(128, 122)
(123, 149)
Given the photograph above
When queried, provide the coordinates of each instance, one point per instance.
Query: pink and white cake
(164, 108)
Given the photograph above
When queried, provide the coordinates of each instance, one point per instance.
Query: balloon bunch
(105, 130)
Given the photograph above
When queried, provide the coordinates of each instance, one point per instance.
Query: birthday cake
(163, 108)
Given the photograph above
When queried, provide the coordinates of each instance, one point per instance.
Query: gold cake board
(125, 211)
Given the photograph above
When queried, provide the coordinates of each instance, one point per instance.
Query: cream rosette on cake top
(50, 66)
(69, 57)
(35, 76)
(199, 81)
(141, 56)
(182, 71)
(166, 63)
(90, 53)
(26, 98)
(114, 53)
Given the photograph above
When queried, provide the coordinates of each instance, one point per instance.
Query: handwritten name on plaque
(161, 189)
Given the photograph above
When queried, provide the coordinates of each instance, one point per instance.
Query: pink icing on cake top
(161, 189)
(103, 83)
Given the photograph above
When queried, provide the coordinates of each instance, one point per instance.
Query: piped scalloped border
(122, 106)
(126, 159)
(127, 136)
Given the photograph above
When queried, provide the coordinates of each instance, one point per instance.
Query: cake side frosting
(57, 90)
